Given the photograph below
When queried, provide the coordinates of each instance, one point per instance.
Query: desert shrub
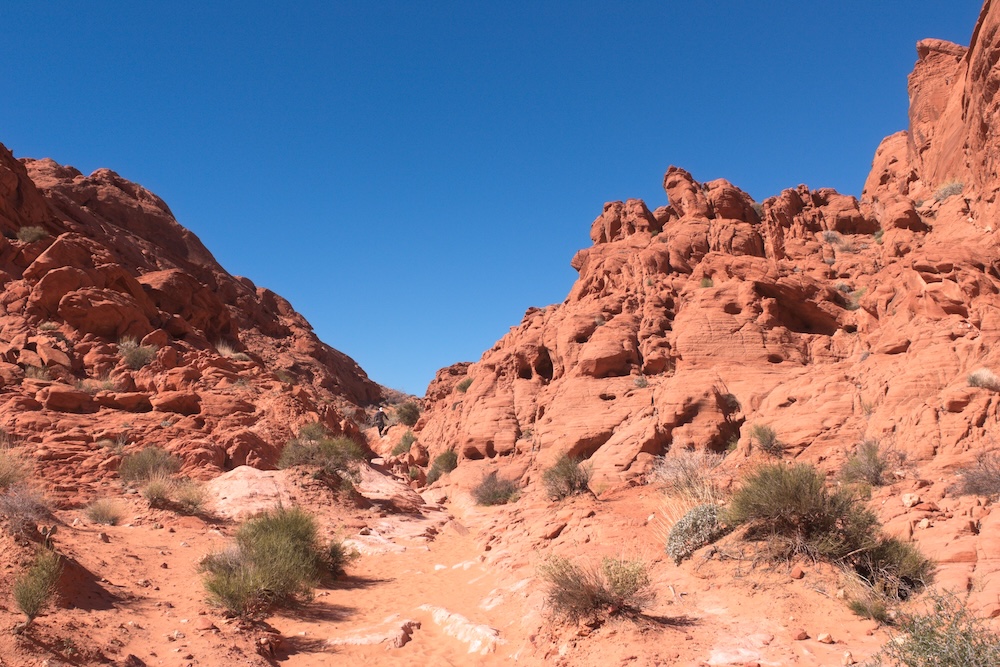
(285, 376)
(189, 497)
(227, 349)
(641, 382)
(871, 605)
(105, 511)
(946, 635)
(464, 385)
(575, 592)
(277, 560)
(688, 474)
(707, 282)
(948, 189)
(870, 463)
(700, 526)
(338, 556)
(48, 326)
(34, 588)
(135, 355)
(494, 490)
(23, 507)
(157, 489)
(984, 378)
(767, 440)
(444, 462)
(12, 468)
(331, 455)
(32, 233)
(980, 479)
(791, 508)
(313, 431)
(37, 373)
(404, 444)
(407, 413)
(566, 477)
(147, 464)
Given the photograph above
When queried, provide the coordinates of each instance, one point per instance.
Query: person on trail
(380, 422)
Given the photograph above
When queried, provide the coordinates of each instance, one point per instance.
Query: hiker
(380, 422)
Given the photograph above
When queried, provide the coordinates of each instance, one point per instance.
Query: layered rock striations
(830, 319)
(103, 264)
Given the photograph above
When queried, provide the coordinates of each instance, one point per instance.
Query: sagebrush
(699, 527)
(494, 490)
(35, 587)
(146, 464)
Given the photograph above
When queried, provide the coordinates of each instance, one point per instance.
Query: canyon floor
(457, 582)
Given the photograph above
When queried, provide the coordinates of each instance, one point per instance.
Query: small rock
(910, 499)
(797, 572)
(205, 624)
(848, 659)
(163, 566)
(825, 638)
(103, 537)
(800, 635)
(924, 524)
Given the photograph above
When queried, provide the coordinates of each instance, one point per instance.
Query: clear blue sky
(412, 176)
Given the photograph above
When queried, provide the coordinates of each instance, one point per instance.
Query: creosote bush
(767, 440)
(566, 477)
(464, 385)
(946, 635)
(407, 413)
(105, 511)
(157, 489)
(983, 477)
(147, 464)
(135, 355)
(699, 527)
(34, 588)
(495, 490)
(277, 560)
(443, 463)
(618, 587)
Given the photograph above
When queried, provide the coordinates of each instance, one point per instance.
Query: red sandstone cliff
(236, 368)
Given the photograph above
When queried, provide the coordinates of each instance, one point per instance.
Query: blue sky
(413, 176)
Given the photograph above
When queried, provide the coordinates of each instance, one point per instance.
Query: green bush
(443, 463)
(767, 440)
(791, 508)
(618, 587)
(147, 464)
(313, 432)
(464, 385)
(566, 477)
(134, 355)
(404, 444)
(407, 413)
(31, 233)
(494, 490)
(700, 526)
(34, 588)
(105, 511)
(870, 463)
(277, 561)
(979, 479)
(332, 455)
(947, 635)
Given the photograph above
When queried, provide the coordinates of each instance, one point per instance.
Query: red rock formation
(117, 265)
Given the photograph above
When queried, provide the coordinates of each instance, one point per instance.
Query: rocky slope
(831, 320)
(235, 369)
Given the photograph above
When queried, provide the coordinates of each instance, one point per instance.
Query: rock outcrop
(226, 370)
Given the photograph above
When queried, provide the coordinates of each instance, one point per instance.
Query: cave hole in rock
(774, 359)
(607, 397)
(543, 364)
(732, 309)
(851, 328)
